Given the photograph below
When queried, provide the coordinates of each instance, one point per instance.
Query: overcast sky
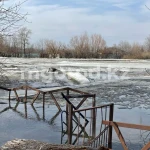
(115, 20)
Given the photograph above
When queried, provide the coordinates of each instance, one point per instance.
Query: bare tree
(147, 43)
(125, 46)
(81, 45)
(15, 45)
(41, 46)
(10, 17)
(53, 48)
(24, 35)
(97, 44)
(86, 47)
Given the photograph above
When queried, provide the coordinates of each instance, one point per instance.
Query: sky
(115, 20)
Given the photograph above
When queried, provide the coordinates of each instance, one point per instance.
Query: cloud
(61, 21)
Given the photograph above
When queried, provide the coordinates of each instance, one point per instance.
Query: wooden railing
(89, 129)
(116, 126)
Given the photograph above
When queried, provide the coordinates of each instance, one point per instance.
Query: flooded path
(30, 123)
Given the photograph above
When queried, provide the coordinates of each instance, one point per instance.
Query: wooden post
(25, 100)
(25, 108)
(111, 113)
(67, 108)
(9, 99)
(43, 105)
(93, 118)
(70, 123)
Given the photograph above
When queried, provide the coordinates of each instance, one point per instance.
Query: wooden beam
(127, 125)
(79, 95)
(9, 99)
(54, 90)
(78, 91)
(90, 108)
(146, 147)
(120, 136)
(55, 101)
(80, 104)
(6, 89)
(36, 96)
(111, 115)
(32, 88)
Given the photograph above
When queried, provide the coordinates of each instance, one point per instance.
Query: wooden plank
(80, 104)
(6, 89)
(93, 118)
(70, 124)
(79, 96)
(32, 88)
(9, 99)
(36, 96)
(146, 147)
(18, 88)
(56, 89)
(67, 109)
(78, 91)
(44, 106)
(127, 125)
(120, 136)
(90, 108)
(25, 109)
(111, 114)
(26, 95)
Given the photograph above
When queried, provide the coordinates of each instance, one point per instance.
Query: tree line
(17, 43)
(81, 46)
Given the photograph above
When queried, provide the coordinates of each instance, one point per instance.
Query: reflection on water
(31, 122)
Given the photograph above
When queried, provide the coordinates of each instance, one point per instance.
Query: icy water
(123, 82)
(30, 123)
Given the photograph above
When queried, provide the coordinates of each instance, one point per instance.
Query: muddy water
(32, 124)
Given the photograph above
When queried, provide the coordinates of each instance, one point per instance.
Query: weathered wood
(120, 136)
(32, 88)
(35, 97)
(78, 91)
(90, 108)
(44, 106)
(70, 124)
(127, 125)
(111, 115)
(55, 90)
(9, 99)
(26, 95)
(6, 89)
(80, 104)
(146, 147)
(93, 118)
(25, 109)
(79, 95)
(55, 101)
